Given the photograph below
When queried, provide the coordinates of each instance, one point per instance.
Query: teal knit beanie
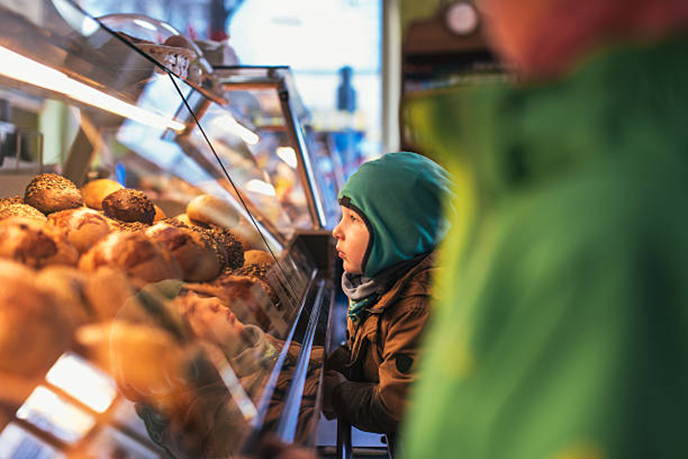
(400, 197)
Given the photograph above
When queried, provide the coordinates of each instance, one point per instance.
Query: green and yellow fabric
(562, 331)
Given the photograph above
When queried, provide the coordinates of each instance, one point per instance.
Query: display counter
(165, 252)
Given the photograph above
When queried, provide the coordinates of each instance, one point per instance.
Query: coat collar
(391, 295)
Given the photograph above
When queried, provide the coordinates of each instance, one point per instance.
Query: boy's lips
(340, 254)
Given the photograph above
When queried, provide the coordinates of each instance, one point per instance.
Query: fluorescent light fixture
(288, 155)
(21, 68)
(225, 122)
(145, 24)
(83, 381)
(260, 187)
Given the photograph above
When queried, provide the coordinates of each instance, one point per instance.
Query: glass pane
(17, 443)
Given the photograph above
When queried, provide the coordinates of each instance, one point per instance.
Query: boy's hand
(332, 380)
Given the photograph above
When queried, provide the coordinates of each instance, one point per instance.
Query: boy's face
(352, 240)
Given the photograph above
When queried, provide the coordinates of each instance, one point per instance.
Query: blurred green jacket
(562, 331)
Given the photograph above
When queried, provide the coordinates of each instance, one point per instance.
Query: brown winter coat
(381, 354)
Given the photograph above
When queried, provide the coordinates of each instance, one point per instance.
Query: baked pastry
(133, 226)
(82, 227)
(211, 210)
(51, 192)
(65, 285)
(185, 220)
(159, 214)
(13, 200)
(257, 256)
(135, 254)
(95, 191)
(110, 295)
(33, 332)
(34, 243)
(223, 242)
(129, 206)
(197, 261)
(21, 210)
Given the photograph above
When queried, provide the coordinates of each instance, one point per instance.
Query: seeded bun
(129, 206)
(34, 243)
(82, 227)
(95, 191)
(226, 246)
(135, 254)
(51, 193)
(21, 210)
(13, 200)
(197, 261)
(257, 256)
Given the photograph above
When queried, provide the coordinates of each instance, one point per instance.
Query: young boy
(392, 219)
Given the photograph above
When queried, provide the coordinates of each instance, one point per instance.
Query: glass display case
(164, 243)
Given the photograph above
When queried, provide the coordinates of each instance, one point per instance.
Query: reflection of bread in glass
(135, 254)
(198, 263)
(34, 243)
(146, 361)
(33, 331)
(247, 297)
(82, 227)
(51, 192)
(95, 191)
(110, 294)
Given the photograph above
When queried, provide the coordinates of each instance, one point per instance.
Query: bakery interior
(150, 178)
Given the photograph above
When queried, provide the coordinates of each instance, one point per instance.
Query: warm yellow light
(46, 410)
(82, 381)
(288, 155)
(261, 187)
(29, 71)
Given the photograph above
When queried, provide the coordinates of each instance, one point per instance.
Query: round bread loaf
(159, 214)
(257, 256)
(66, 287)
(111, 295)
(21, 210)
(51, 192)
(186, 221)
(197, 261)
(223, 242)
(34, 243)
(129, 206)
(13, 200)
(212, 210)
(82, 227)
(135, 254)
(95, 191)
(33, 332)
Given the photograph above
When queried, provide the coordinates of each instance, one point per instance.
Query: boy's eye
(353, 218)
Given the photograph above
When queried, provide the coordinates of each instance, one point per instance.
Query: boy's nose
(337, 232)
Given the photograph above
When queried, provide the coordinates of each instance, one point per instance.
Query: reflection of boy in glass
(391, 222)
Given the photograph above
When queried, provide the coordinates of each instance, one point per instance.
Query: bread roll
(13, 200)
(95, 191)
(34, 243)
(129, 206)
(51, 192)
(65, 285)
(223, 242)
(33, 332)
(135, 254)
(21, 210)
(197, 261)
(211, 210)
(159, 214)
(82, 227)
(257, 256)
